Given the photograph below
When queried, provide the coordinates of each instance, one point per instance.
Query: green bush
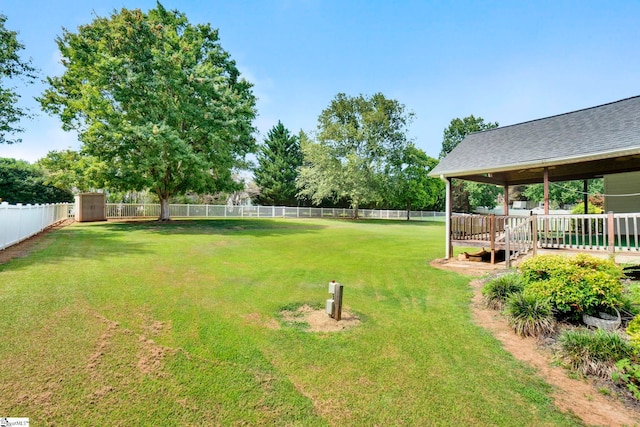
(529, 316)
(591, 209)
(497, 290)
(633, 330)
(576, 285)
(594, 353)
(628, 373)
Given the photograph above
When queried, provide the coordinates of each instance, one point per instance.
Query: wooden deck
(610, 234)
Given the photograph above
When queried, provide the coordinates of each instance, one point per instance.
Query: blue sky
(505, 61)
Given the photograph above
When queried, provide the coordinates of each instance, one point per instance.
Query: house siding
(622, 183)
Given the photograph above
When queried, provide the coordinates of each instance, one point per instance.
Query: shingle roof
(603, 132)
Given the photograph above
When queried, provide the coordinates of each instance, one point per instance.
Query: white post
(507, 249)
(447, 238)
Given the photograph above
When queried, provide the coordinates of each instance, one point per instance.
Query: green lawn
(177, 324)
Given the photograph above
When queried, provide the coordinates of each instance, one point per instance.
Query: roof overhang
(588, 166)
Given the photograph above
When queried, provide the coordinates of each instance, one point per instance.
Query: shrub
(529, 316)
(628, 373)
(633, 330)
(594, 353)
(577, 285)
(591, 209)
(497, 290)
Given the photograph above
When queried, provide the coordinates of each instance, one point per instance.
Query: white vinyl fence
(131, 210)
(19, 222)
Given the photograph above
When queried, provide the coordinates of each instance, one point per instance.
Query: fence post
(611, 232)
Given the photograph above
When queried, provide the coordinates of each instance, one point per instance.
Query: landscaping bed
(546, 303)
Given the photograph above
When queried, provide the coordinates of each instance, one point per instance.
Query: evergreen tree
(279, 159)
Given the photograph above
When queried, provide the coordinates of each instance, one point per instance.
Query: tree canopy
(279, 160)
(564, 193)
(467, 196)
(410, 184)
(157, 99)
(458, 129)
(72, 170)
(358, 140)
(11, 66)
(22, 182)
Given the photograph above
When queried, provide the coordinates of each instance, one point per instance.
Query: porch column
(447, 239)
(585, 198)
(546, 191)
(506, 200)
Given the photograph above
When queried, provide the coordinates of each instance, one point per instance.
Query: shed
(91, 207)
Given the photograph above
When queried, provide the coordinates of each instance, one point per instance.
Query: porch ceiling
(557, 172)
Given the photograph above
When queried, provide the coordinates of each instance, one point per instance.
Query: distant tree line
(164, 115)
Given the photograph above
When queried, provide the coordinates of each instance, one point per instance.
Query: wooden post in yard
(337, 302)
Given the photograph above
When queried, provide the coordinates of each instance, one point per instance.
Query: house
(601, 141)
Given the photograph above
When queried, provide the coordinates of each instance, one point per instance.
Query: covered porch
(581, 145)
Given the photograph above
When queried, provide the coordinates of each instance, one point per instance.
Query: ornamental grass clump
(497, 290)
(593, 352)
(529, 316)
(574, 286)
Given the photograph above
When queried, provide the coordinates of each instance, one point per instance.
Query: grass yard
(178, 324)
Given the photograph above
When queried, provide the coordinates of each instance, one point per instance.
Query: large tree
(157, 99)
(467, 196)
(11, 66)
(356, 140)
(458, 129)
(279, 160)
(72, 170)
(22, 182)
(410, 184)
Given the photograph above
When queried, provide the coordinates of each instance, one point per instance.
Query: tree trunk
(409, 211)
(165, 214)
(355, 211)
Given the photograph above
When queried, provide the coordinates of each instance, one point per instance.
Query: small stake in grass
(334, 305)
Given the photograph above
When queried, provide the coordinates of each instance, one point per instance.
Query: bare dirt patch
(579, 397)
(318, 320)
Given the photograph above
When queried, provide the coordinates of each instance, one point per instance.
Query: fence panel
(19, 222)
(137, 210)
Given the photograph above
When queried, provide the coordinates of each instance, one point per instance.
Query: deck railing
(483, 227)
(602, 232)
(519, 234)
(519, 239)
